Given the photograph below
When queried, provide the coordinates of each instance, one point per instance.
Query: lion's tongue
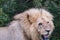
(45, 37)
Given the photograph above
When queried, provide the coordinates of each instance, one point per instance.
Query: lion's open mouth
(45, 37)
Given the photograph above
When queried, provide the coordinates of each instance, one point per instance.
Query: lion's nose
(47, 30)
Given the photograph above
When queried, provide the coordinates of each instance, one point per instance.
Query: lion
(37, 23)
(32, 24)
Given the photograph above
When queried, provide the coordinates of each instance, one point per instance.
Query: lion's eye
(40, 24)
(47, 22)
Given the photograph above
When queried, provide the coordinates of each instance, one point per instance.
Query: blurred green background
(9, 8)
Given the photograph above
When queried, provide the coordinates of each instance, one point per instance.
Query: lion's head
(44, 24)
(42, 19)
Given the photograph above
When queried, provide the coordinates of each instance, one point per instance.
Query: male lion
(33, 24)
(37, 23)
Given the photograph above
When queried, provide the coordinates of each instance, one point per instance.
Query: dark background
(9, 8)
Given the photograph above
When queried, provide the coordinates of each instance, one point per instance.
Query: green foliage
(37, 3)
(12, 7)
(8, 8)
(3, 18)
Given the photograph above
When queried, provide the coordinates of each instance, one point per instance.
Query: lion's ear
(30, 17)
(24, 16)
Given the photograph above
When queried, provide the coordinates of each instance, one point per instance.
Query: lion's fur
(12, 32)
(25, 28)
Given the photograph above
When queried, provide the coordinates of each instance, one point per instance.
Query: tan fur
(25, 26)
(33, 17)
(12, 32)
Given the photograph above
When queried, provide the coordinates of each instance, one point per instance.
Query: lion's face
(45, 26)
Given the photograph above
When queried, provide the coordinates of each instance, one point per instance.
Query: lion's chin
(45, 37)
